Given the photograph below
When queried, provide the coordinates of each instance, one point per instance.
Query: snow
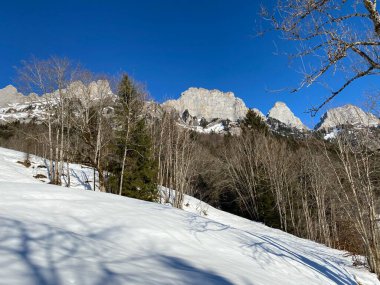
(332, 134)
(81, 176)
(22, 112)
(217, 128)
(57, 235)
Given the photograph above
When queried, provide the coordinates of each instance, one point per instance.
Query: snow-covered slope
(56, 235)
(81, 176)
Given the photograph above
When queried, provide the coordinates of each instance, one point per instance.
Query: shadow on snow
(45, 255)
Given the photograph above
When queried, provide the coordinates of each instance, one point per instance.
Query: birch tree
(50, 78)
(356, 172)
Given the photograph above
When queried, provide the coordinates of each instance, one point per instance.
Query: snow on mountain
(209, 104)
(194, 105)
(283, 114)
(56, 235)
(346, 115)
(217, 128)
(22, 112)
(14, 106)
(332, 134)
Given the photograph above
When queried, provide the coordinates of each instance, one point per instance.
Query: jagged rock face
(209, 104)
(346, 115)
(14, 106)
(283, 114)
(9, 95)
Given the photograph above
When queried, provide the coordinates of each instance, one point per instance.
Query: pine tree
(134, 168)
(141, 168)
(253, 121)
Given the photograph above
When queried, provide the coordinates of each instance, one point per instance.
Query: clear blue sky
(170, 45)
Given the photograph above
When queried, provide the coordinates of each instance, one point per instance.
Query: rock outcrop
(209, 104)
(283, 114)
(9, 95)
(14, 106)
(346, 115)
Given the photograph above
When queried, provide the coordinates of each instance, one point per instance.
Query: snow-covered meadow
(57, 235)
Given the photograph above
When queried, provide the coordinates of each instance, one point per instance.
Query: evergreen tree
(134, 168)
(141, 168)
(254, 122)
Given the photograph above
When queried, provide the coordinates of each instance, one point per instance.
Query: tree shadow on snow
(37, 253)
(337, 275)
(83, 180)
(264, 246)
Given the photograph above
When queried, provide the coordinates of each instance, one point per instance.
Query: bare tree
(175, 153)
(356, 172)
(92, 121)
(243, 161)
(51, 79)
(335, 35)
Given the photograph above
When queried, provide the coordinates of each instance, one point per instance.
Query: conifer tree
(135, 168)
(141, 169)
(254, 122)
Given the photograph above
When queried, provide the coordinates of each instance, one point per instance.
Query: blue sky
(170, 45)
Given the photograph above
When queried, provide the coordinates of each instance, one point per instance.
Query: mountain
(346, 115)
(58, 235)
(204, 111)
(283, 114)
(14, 106)
(214, 106)
(10, 95)
(209, 104)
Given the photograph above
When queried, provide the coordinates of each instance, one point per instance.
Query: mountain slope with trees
(53, 235)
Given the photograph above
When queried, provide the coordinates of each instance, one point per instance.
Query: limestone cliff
(209, 104)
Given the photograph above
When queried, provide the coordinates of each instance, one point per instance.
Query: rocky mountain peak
(283, 114)
(8, 90)
(9, 94)
(346, 115)
(209, 104)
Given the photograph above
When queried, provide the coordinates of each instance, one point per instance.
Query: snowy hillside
(81, 177)
(56, 235)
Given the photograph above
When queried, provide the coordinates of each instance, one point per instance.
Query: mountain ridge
(195, 105)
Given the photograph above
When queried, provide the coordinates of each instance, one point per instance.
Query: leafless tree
(93, 98)
(175, 153)
(356, 172)
(51, 79)
(243, 160)
(333, 36)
